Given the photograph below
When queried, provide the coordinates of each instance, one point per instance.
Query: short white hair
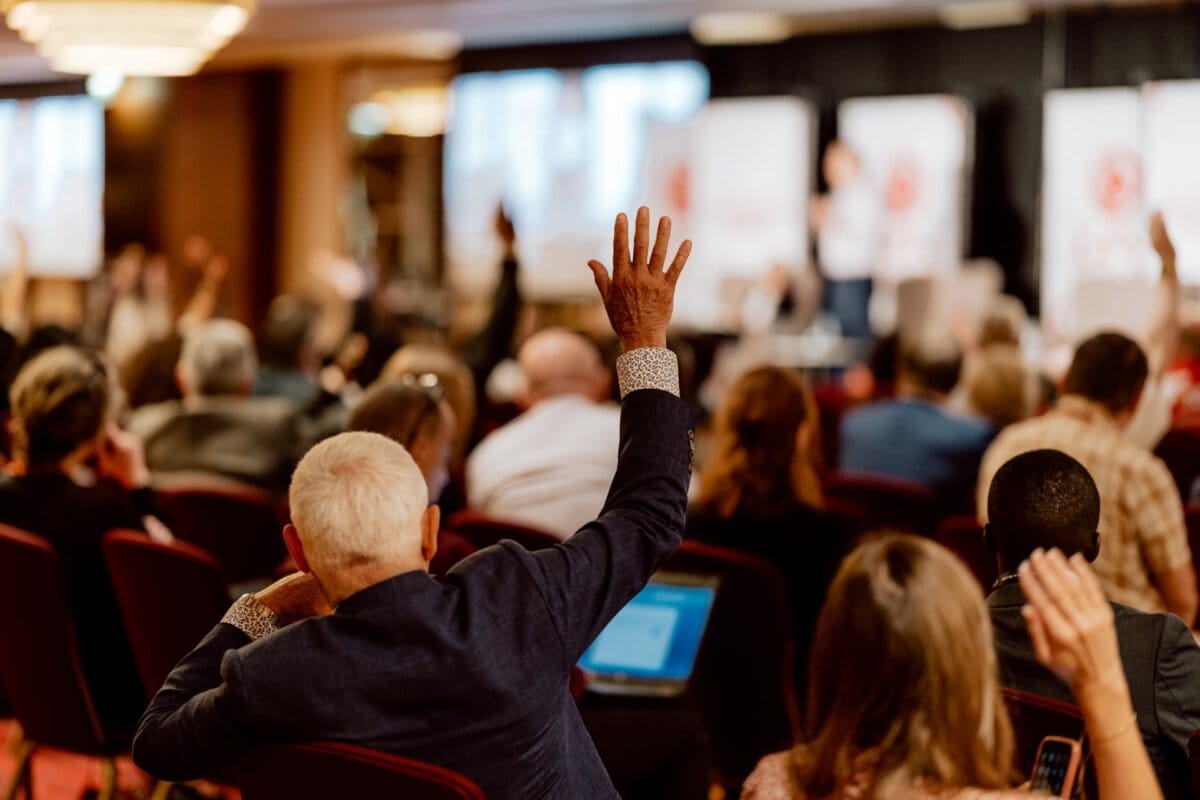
(218, 358)
(357, 498)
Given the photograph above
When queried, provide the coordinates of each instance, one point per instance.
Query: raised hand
(122, 458)
(1070, 621)
(639, 296)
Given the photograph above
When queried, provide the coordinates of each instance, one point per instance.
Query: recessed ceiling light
(740, 28)
(984, 14)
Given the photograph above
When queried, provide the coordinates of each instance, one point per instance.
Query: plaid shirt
(1142, 531)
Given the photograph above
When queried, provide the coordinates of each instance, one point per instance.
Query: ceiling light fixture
(984, 14)
(740, 28)
(132, 37)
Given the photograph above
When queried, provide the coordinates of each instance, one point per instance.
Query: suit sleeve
(1177, 686)
(586, 580)
(197, 721)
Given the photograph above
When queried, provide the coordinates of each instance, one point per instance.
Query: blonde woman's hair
(357, 499)
(419, 359)
(757, 466)
(60, 400)
(903, 678)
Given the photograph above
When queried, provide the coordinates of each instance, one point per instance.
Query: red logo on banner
(903, 185)
(1118, 180)
(679, 189)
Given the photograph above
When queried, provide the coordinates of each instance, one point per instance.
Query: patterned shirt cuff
(251, 617)
(648, 368)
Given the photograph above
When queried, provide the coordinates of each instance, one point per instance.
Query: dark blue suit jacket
(470, 675)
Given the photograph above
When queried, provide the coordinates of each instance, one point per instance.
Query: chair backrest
(332, 769)
(239, 526)
(963, 536)
(886, 502)
(1033, 718)
(39, 658)
(484, 531)
(1180, 450)
(171, 596)
(452, 548)
(742, 683)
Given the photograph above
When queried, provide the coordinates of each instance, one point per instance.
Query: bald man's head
(556, 361)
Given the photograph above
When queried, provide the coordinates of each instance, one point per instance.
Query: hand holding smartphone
(1056, 767)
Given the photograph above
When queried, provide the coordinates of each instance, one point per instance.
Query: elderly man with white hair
(218, 429)
(470, 674)
(551, 466)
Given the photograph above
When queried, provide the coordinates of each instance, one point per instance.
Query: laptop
(649, 648)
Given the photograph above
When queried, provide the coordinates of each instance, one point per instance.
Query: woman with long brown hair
(903, 698)
(760, 494)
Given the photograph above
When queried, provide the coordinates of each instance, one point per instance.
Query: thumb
(603, 282)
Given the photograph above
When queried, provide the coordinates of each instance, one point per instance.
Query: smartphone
(1056, 766)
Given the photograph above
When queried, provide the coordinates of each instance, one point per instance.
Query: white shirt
(549, 468)
(848, 242)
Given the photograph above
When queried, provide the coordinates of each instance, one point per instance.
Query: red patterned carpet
(63, 776)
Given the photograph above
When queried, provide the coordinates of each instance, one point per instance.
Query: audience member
(914, 437)
(425, 359)
(759, 492)
(550, 468)
(217, 428)
(903, 698)
(75, 477)
(1046, 499)
(1145, 562)
(289, 359)
(998, 386)
(470, 675)
(416, 415)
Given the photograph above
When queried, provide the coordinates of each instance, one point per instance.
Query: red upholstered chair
(1192, 517)
(742, 683)
(484, 531)
(39, 661)
(452, 548)
(886, 502)
(1035, 717)
(327, 769)
(171, 596)
(963, 536)
(1180, 450)
(238, 525)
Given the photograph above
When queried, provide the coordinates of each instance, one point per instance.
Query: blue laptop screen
(655, 636)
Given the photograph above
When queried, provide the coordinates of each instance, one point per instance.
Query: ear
(295, 549)
(989, 538)
(1093, 548)
(431, 520)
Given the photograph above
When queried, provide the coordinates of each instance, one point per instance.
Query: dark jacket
(257, 440)
(1162, 665)
(471, 675)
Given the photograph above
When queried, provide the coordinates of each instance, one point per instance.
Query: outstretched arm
(1073, 634)
(585, 581)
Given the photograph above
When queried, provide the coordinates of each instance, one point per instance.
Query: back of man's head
(929, 363)
(217, 359)
(356, 501)
(287, 332)
(1109, 369)
(557, 361)
(1043, 498)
